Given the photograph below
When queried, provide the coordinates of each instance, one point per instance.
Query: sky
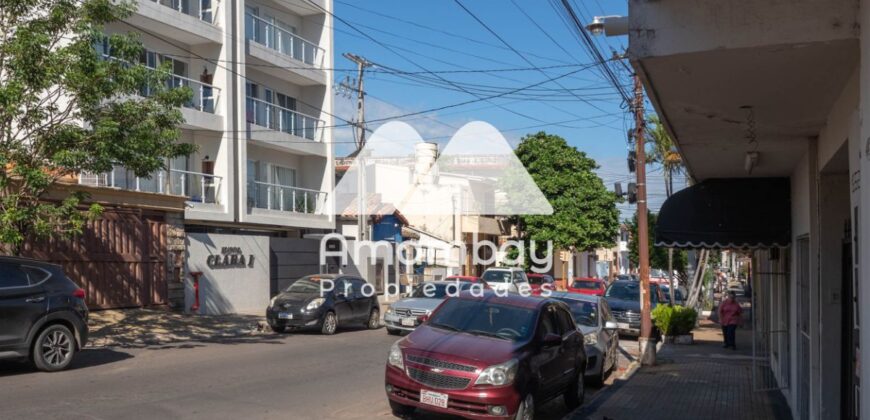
(518, 66)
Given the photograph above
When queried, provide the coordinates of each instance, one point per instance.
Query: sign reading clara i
(230, 257)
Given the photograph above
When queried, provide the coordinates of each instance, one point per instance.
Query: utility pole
(360, 126)
(646, 342)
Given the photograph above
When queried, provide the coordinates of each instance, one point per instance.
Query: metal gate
(119, 259)
(770, 320)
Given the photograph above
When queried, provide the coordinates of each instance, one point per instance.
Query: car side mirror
(422, 319)
(551, 340)
(610, 325)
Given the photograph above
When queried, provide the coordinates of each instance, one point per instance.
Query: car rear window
(585, 313)
(497, 277)
(625, 291)
(586, 284)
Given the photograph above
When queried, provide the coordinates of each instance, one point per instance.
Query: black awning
(727, 213)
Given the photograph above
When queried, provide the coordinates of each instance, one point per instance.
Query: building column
(860, 219)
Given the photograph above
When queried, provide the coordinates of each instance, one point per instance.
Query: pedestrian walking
(730, 314)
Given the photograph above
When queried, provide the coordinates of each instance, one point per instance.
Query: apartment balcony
(287, 205)
(284, 129)
(192, 22)
(203, 191)
(199, 112)
(283, 54)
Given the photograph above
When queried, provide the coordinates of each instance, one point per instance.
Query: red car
(588, 286)
(538, 281)
(489, 357)
(473, 279)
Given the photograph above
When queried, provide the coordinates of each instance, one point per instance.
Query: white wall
(226, 290)
(659, 28)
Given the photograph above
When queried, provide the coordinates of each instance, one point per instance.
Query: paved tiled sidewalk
(700, 381)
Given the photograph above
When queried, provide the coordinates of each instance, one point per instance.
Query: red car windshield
(586, 284)
(485, 319)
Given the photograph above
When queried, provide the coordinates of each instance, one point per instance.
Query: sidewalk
(154, 327)
(700, 381)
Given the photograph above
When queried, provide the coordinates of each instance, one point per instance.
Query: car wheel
(374, 321)
(393, 331)
(577, 392)
(400, 410)
(330, 324)
(526, 410)
(278, 329)
(54, 348)
(598, 379)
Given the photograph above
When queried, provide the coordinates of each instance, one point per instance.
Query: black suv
(43, 314)
(325, 301)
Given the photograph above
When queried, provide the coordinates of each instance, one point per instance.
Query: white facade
(797, 72)
(262, 81)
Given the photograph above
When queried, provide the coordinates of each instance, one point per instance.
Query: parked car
(538, 282)
(43, 315)
(587, 286)
(488, 357)
(679, 298)
(511, 279)
(623, 277)
(406, 314)
(473, 279)
(623, 297)
(302, 305)
(594, 320)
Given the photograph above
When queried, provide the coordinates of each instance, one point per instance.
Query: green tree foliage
(662, 151)
(584, 212)
(658, 256)
(65, 108)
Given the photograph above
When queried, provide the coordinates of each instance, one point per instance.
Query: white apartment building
(261, 76)
(262, 106)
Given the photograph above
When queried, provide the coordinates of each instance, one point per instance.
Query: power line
(507, 44)
(589, 44)
(376, 41)
(441, 31)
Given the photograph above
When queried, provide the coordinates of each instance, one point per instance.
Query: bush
(674, 320)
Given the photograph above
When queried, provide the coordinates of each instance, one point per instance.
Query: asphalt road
(299, 376)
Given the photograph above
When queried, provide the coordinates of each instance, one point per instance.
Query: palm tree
(661, 151)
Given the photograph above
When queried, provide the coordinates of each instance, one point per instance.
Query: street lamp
(612, 25)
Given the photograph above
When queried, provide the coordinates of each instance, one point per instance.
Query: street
(300, 376)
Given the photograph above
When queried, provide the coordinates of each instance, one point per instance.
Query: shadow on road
(84, 359)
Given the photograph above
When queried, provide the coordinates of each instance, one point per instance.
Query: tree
(658, 256)
(66, 108)
(584, 212)
(662, 151)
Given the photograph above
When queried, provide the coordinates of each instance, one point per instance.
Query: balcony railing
(205, 96)
(268, 196)
(277, 118)
(266, 33)
(198, 9)
(197, 187)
